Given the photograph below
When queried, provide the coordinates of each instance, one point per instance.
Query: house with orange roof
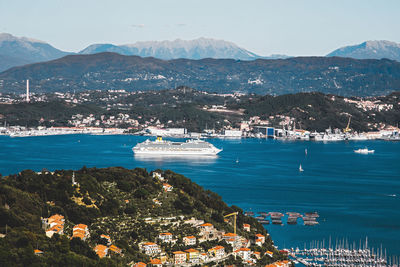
(259, 239)
(167, 187)
(155, 263)
(38, 252)
(165, 237)
(151, 248)
(106, 237)
(257, 254)
(115, 249)
(203, 257)
(206, 227)
(189, 240)
(140, 264)
(192, 255)
(56, 229)
(101, 250)
(80, 231)
(246, 227)
(217, 251)
(179, 257)
(244, 253)
(54, 224)
(269, 253)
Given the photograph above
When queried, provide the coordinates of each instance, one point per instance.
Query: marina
(342, 253)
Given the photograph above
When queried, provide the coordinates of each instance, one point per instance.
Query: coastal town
(117, 119)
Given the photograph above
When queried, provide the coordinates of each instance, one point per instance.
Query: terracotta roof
(191, 250)
(243, 249)
(259, 235)
(101, 250)
(206, 224)
(149, 244)
(81, 226)
(155, 261)
(218, 247)
(115, 249)
(140, 264)
(179, 252)
(165, 234)
(190, 237)
(38, 251)
(229, 234)
(246, 225)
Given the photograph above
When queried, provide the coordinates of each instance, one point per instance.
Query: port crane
(347, 129)
(234, 214)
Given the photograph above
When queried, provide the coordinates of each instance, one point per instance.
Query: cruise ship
(162, 147)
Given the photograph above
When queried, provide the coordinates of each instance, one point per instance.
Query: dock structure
(309, 218)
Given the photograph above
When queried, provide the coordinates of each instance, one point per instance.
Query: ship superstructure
(162, 147)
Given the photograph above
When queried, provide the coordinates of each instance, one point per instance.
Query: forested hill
(341, 76)
(114, 202)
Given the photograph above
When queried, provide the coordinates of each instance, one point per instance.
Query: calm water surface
(355, 195)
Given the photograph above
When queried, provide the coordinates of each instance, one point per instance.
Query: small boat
(305, 151)
(301, 169)
(237, 160)
(364, 151)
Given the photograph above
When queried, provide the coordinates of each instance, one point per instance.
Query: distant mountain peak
(373, 49)
(191, 49)
(9, 37)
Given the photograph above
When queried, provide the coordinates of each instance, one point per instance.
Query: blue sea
(356, 196)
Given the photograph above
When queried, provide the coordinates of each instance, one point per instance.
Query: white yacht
(364, 151)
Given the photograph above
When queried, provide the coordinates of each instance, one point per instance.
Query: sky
(290, 27)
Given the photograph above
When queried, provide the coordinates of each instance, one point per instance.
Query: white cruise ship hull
(161, 148)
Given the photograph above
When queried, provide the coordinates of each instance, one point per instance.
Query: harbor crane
(347, 129)
(234, 214)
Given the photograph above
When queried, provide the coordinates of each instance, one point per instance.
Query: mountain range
(191, 49)
(103, 71)
(369, 50)
(17, 51)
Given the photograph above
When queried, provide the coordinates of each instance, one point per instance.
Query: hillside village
(145, 232)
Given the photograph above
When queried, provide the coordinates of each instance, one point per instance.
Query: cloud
(137, 25)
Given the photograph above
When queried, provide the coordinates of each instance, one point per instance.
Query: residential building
(217, 251)
(244, 253)
(179, 257)
(151, 248)
(101, 250)
(155, 263)
(167, 187)
(81, 231)
(115, 249)
(260, 239)
(246, 227)
(192, 255)
(165, 237)
(38, 252)
(189, 240)
(206, 227)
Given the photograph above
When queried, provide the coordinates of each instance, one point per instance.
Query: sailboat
(300, 168)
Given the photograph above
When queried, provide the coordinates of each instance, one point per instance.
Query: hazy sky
(296, 27)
